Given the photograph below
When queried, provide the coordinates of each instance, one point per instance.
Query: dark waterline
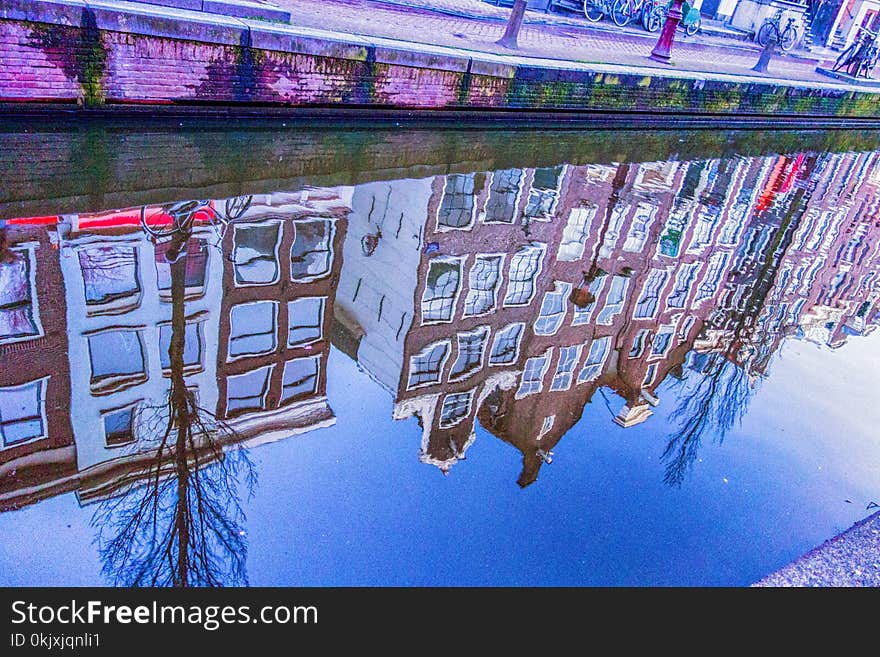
(637, 358)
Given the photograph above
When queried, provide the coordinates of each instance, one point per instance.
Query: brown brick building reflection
(280, 274)
(86, 330)
(660, 247)
(37, 449)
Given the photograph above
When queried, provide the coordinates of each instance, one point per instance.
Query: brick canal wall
(88, 166)
(101, 54)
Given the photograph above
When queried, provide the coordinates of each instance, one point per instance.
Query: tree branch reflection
(185, 525)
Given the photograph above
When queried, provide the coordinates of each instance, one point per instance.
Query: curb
(741, 43)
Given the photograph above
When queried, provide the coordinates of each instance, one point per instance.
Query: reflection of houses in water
(117, 284)
(258, 308)
(494, 333)
(382, 251)
(808, 263)
(507, 297)
(37, 450)
(843, 234)
(279, 280)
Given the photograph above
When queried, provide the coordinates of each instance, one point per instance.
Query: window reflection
(248, 391)
(256, 253)
(18, 315)
(110, 276)
(306, 318)
(300, 378)
(117, 360)
(457, 205)
(253, 329)
(23, 413)
(503, 196)
(311, 255)
(471, 347)
(438, 300)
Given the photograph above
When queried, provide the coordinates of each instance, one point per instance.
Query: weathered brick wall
(29, 72)
(98, 56)
(94, 166)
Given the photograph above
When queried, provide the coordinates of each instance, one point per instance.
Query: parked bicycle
(655, 15)
(176, 219)
(624, 11)
(860, 58)
(786, 37)
(596, 10)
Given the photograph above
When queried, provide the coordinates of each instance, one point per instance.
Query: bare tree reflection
(185, 525)
(715, 404)
(721, 397)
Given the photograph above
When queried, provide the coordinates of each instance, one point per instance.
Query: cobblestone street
(476, 25)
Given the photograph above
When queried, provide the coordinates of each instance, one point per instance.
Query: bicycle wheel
(788, 39)
(764, 33)
(159, 222)
(594, 10)
(620, 12)
(237, 206)
(693, 28)
(843, 58)
(654, 20)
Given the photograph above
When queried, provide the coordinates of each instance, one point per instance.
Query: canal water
(402, 356)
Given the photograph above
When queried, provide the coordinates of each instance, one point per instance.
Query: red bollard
(667, 36)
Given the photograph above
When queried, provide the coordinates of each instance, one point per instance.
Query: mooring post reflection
(185, 525)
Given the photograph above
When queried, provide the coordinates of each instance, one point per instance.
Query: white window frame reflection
(639, 342)
(704, 224)
(38, 415)
(424, 356)
(686, 326)
(469, 344)
(330, 237)
(546, 426)
(28, 252)
(316, 360)
(274, 256)
(266, 371)
(445, 304)
(233, 337)
(457, 194)
(568, 361)
(522, 275)
(532, 378)
(480, 274)
(122, 302)
(554, 307)
(612, 232)
(665, 334)
(109, 383)
(543, 201)
(575, 233)
(303, 301)
(684, 283)
(455, 398)
(649, 300)
(496, 180)
(600, 348)
(132, 409)
(614, 300)
(713, 277)
(640, 227)
(503, 336)
(585, 315)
